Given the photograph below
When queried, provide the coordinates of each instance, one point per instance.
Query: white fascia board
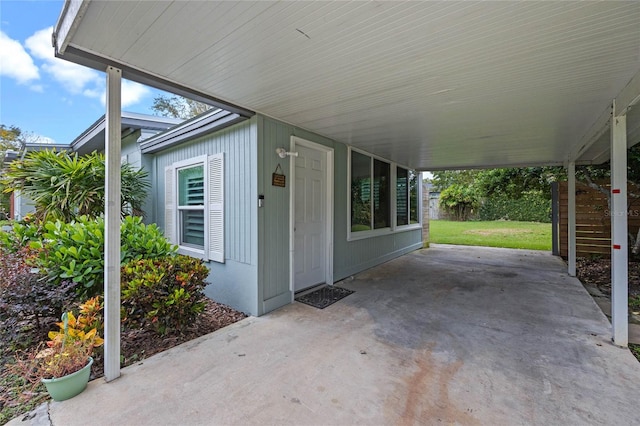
(629, 96)
(68, 21)
(597, 129)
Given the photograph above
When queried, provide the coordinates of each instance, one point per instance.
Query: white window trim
(409, 226)
(213, 207)
(394, 228)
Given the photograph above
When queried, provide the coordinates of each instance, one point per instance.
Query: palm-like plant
(64, 186)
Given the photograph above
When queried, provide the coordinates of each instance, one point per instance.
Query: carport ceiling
(432, 85)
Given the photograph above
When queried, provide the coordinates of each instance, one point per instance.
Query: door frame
(328, 151)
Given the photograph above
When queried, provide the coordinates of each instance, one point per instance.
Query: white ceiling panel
(432, 85)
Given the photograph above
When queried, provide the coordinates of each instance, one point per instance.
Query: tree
(515, 182)
(178, 107)
(11, 139)
(465, 191)
(64, 186)
(460, 200)
(443, 179)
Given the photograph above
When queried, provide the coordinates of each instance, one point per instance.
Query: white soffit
(432, 85)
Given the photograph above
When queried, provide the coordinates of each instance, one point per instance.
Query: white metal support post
(571, 222)
(619, 244)
(112, 226)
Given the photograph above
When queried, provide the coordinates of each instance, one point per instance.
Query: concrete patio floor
(446, 335)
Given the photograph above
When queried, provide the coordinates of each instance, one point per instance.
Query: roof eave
(208, 122)
(100, 63)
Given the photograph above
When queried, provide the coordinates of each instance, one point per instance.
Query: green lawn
(523, 235)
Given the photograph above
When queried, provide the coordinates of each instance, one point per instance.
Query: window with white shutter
(194, 206)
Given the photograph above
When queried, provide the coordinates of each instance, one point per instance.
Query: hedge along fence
(593, 220)
(531, 207)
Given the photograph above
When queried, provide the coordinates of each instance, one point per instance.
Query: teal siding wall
(235, 281)
(130, 150)
(273, 219)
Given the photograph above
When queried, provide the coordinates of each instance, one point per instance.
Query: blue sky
(48, 97)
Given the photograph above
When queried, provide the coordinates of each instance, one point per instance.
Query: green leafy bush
(532, 206)
(140, 241)
(21, 234)
(165, 294)
(74, 251)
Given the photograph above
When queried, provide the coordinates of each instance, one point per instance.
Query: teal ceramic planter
(70, 385)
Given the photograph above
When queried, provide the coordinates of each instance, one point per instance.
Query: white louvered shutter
(216, 207)
(170, 205)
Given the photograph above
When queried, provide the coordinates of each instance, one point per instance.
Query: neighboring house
(135, 128)
(274, 209)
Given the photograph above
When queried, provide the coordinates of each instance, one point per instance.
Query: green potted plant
(64, 366)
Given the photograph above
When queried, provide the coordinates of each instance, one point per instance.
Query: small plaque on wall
(278, 179)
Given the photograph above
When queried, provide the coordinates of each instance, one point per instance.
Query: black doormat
(325, 296)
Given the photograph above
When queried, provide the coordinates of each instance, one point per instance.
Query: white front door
(310, 213)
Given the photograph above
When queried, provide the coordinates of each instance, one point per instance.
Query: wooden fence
(593, 222)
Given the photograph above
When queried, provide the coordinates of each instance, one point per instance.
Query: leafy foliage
(21, 234)
(74, 251)
(531, 206)
(511, 182)
(460, 201)
(165, 293)
(68, 349)
(443, 179)
(514, 183)
(65, 186)
(11, 138)
(178, 107)
(26, 298)
(502, 193)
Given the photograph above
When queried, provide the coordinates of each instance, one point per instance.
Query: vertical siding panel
(235, 143)
(349, 256)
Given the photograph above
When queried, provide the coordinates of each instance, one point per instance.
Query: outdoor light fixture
(283, 153)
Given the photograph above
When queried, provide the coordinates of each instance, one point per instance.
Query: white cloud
(44, 139)
(97, 93)
(132, 93)
(75, 78)
(15, 62)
